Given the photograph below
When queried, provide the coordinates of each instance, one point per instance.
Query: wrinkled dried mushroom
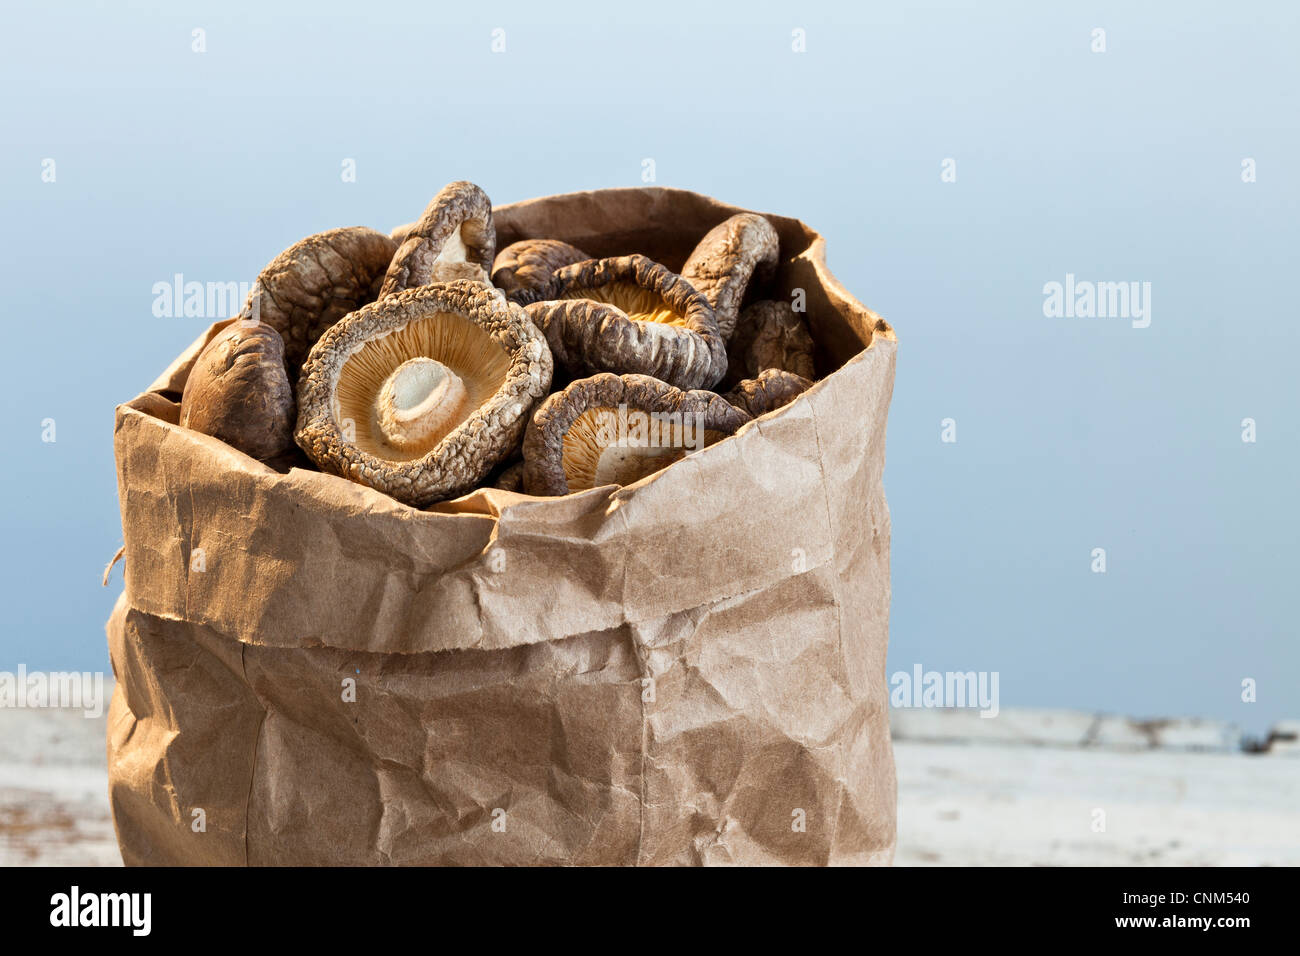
(631, 314)
(454, 239)
(523, 269)
(772, 389)
(238, 391)
(315, 282)
(511, 478)
(616, 429)
(769, 335)
(423, 393)
(734, 253)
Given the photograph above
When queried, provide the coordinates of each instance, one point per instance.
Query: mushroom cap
(315, 282)
(238, 391)
(616, 429)
(362, 381)
(773, 388)
(724, 262)
(456, 228)
(511, 478)
(523, 269)
(770, 334)
(631, 315)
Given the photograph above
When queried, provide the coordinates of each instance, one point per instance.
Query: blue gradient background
(1073, 433)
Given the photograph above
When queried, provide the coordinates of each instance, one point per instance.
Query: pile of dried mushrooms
(427, 363)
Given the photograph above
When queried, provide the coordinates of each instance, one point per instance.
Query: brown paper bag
(688, 670)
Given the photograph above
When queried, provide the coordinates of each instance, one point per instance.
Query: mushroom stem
(419, 404)
(453, 249)
(619, 465)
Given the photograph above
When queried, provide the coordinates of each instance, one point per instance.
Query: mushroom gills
(638, 304)
(407, 390)
(609, 446)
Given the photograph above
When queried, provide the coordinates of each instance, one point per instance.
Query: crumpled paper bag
(688, 670)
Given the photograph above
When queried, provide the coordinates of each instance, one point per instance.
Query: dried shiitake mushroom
(616, 429)
(732, 253)
(769, 335)
(315, 282)
(772, 389)
(511, 478)
(523, 269)
(454, 239)
(238, 391)
(631, 314)
(424, 392)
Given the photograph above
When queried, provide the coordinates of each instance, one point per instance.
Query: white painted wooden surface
(1016, 790)
(54, 790)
